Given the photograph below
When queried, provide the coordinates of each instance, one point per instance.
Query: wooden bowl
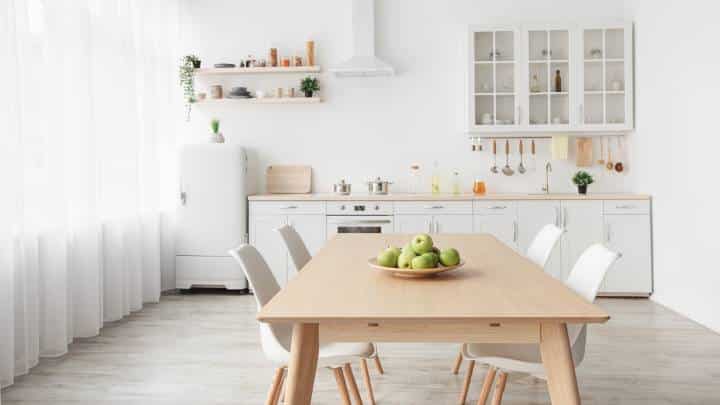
(414, 273)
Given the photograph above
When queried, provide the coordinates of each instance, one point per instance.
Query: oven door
(359, 224)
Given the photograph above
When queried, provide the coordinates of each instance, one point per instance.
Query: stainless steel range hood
(363, 62)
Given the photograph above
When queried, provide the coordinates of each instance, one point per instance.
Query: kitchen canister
(216, 91)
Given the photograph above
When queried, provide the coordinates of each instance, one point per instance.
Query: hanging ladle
(494, 167)
(507, 170)
(521, 167)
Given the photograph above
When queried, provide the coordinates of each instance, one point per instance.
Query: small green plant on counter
(582, 179)
(309, 85)
(215, 125)
(187, 80)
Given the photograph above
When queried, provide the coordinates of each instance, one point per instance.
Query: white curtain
(87, 147)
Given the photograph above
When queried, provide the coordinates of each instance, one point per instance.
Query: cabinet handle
(498, 207)
(289, 207)
(624, 207)
(607, 233)
(515, 231)
(434, 207)
(564, 219)
(557, 217)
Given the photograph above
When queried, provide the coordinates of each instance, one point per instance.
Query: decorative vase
(217, 138)
(308, 93)
(196, 64)
(582, 189)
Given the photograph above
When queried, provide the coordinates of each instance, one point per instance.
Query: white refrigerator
(211, 216)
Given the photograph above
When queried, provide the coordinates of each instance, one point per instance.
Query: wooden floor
(204, 349)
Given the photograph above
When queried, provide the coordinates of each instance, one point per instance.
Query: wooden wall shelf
(256, 70)
(268, 100)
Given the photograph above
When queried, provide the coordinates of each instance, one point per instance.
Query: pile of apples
(419, 253)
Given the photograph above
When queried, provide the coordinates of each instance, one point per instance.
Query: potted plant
(309, 85)
(582, 179)
(187, 79)
(216, 136)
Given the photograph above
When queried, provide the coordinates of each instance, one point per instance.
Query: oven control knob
(342, 208)
(377, 207)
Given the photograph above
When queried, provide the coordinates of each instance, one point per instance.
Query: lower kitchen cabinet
(630, 236)
(264, 219)
(583, 223)
(413, 223)
(532, 217)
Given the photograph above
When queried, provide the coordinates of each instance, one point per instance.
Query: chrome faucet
(548, 170)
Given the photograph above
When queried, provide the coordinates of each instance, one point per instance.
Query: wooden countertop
(496, 284)
(445, 197)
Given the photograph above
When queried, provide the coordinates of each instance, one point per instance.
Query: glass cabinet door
(604, 76)
(549, 77)
(493, 77)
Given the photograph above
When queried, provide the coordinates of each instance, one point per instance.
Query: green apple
(422, 243)
(394, 250)
(408, 248)
(405, 259)
(435, 258)
(449, 257)
(423, 262)
(387, 259)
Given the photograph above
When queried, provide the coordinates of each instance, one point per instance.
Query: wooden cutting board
(583, 152)
(287, 179)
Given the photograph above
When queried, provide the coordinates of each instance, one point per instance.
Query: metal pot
(342, 188)
(378, 186)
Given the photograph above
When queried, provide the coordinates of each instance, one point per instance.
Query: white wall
(368, 126)
(677, 85)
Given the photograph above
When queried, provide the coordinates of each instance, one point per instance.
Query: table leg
(303, 363)
(559, 366)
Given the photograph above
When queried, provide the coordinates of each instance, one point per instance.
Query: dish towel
(559, 147)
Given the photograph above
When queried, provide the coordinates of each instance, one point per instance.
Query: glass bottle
(456, 182)
(535, 84)
(435, 180)
(415, 178)
(558, 81)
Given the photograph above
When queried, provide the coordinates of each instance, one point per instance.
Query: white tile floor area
(204, 349)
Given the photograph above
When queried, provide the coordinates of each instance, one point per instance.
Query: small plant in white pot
(309, 86)
(582, 179)
(216, 136)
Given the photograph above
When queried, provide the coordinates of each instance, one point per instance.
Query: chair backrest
(274, 337)
(543, 244)
(585, 279)
(295, 246)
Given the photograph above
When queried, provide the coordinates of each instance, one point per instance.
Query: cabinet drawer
(497, 207)
(626, 207)
(286, 207)
(434, 207)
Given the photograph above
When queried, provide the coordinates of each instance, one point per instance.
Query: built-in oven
(359, 217)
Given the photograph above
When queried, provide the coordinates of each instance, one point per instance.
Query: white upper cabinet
(494, 80)
(550, 78)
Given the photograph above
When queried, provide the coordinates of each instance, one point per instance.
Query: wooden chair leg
(368, 382)
(342, 387)
(458, 363)
(466, 385)
(378, 365)
(499, 388)
(487, 386)
(352, 384)
(274, 393)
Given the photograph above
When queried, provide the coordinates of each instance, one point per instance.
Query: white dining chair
(300, 256)
(585, 279)
(539, 253)
(275, 338)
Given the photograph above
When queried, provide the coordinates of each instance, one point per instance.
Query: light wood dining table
(497, 297)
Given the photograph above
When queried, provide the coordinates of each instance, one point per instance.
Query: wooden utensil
(281, 179)
(619, 167)
(583, 152)
(610, 165)
(601, 161)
